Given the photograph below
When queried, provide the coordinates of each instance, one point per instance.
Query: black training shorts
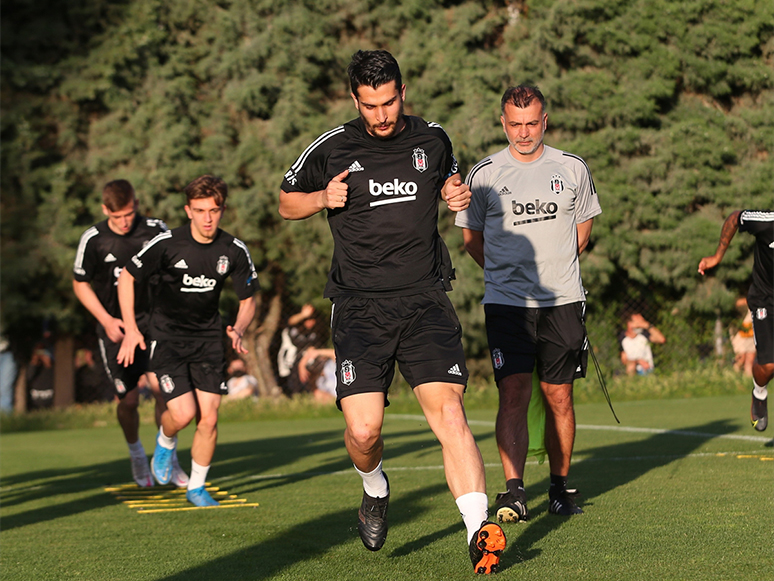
(421, 332)
(182, 366)
(124, 379)
(553, 338)
(763, 330)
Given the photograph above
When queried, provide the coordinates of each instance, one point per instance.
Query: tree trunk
(20, 390)
(257, 340)
(64, 371)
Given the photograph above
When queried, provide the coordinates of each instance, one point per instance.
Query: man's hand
(457, 195)
(132, 339)
(335, 194)
(114, 329)
(707, 263)
(727, 231)
(236, 339)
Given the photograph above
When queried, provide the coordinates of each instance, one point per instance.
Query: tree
(670, 104)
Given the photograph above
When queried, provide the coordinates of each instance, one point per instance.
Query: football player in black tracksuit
(760, 299)
(380, 177)
(186, 351)
(103, 251)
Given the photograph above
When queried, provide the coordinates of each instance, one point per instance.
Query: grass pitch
(682, 489)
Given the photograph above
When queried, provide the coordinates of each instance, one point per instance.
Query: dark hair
(373, 68)
(117, 194)
(207, 187)
(522, 97)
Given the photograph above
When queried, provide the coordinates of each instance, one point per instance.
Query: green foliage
(670, 103)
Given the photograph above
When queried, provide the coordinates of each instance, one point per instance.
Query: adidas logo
(355, 167)
(455, 370)
(504, 192)
(181, 264)
(110, 257)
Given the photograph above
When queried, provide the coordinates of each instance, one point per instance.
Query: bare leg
(560, 426)
(161, 406)
(128, 416)
(364, 416)
(180, 411)
(443, 407)
(206, 435)
(762, 374)
(511, 428)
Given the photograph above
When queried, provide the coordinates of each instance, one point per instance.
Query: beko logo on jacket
(406, 190)
(198, 284)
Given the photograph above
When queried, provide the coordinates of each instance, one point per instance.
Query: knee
(450, 417)
(180, 419)
(364, 437)
(129, 404)
(208, 423)
(514, 400)
(515, 395)
(560, 401)
(763, 373)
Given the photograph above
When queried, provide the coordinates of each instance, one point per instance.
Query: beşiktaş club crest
(347, 372)
(557, 185)
(166, 383)
(761, 314)
(222, 266)
(497, 359)
(420, 160)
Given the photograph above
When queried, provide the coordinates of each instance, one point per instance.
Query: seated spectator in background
(240, 384)
(8, 370)
(636, 354)
(743, 342)
(303, 331)
(317, 371)
(40, 377)
(91, 382)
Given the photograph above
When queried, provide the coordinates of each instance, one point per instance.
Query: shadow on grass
(267, 559)
(272, 459)
(315, 537)
(598, 478)
(311, 540)
(239, 457)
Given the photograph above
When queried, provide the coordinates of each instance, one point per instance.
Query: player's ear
(357, 103)
(188, 212)
(105, 210)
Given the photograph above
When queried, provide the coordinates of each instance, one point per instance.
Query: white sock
(165, 441)
(136, 450)
(760, 391)
(374, 482)
(474, 511)
(198, 476)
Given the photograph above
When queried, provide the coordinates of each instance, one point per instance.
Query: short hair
(373, 68)
(207, 186)
(117, 194)
(522, 97)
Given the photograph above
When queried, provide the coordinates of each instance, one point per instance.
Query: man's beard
(393, 126)
(536, 144)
